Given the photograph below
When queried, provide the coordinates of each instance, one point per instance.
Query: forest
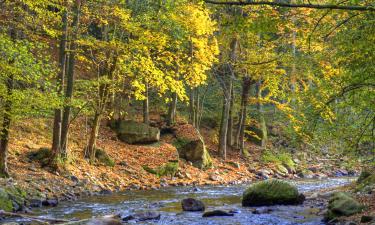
(187, 112)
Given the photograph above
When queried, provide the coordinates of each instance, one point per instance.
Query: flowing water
(167, 202)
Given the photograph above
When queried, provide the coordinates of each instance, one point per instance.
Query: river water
(167, 202)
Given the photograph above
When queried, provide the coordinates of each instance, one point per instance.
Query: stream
(167, 202)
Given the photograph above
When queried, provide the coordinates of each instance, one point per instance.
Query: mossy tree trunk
(4, 135)
(240, 134)
(172, 110)
(57, 123)
(70, 80)
(230, 117)
(146, 107)
(262, 120)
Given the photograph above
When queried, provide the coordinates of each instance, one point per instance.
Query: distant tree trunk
(4, 135)
(70, 80)
(230, 119)
(146, 109)
(172, 109)
(262, 120)
(240, 135)
(91, 148)
(197, 108)
(224, 122)
(192, 107)
(56, 139)
(227, 83)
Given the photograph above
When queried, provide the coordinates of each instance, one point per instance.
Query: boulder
(272, 192)
(217, 213)
(191, 147)
(104, 221)
(143, 216)
(254, 134)
(6, 203)
(192, 205)
(342, 204)
(133, 132)
(366, 181)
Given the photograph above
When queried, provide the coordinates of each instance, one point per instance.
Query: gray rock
(217, 213)
(192, 205)
(133, 132)
(143, 216)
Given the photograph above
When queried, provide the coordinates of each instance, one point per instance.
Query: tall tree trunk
(197, 108)
(262, 120)
(56, 139)
(192, 109)
(91, 148)
(4, 135)
(172, 110)
(224, 123)
(146, 107)
(240, 136)
(230, 118)
(70, 80)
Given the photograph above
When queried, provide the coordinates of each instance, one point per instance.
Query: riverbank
(83, 179)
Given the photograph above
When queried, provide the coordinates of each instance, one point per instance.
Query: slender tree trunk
(192, 104)
(91, 148)
(224, 126)
(262, 120)
(230, 118)
(56, 139)
(172, 110)
(4, 135)
(240, 136)
(197, 108)
(70, 81)
(146, 107)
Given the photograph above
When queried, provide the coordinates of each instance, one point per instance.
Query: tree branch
(290, 5)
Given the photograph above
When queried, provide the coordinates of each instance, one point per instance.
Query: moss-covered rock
(5, 201)
(104, 158)
(366, 183)
(133, 132)
(190, 146)
(42, 155)
(168, 169)
(272, 192)
(342, 204)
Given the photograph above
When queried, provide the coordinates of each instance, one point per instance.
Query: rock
(143, 216)
(262, 211)
(105, 192)
(273, 192)
(341, 172)
(282, 170)
(74, 179)
(367, 219)
(191, 204)
(217, 213)
(342, 204)
(191, 147)
(214, 177)
(35, 203)
(234, 164)
(104, 221)
(264, 174)
(5, 202)
(366, 181)
(314, 169)
(254, 134)
(50, 202)
(133, 132)
(305, 174)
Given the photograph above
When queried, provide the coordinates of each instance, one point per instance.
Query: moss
(5, 201)
(364, 174)
(342, 204)
(363, 183)
(150, 170)
(170, 168)
(282, 158)
(42, 155)
(271, 192)
(104, 158)
(180, 142)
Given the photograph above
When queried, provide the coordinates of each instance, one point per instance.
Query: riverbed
(167, 202)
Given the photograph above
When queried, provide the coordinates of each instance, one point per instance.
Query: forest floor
(82, 178)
